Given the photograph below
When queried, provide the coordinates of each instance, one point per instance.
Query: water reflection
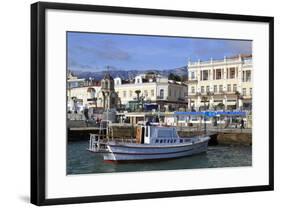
(81, 161)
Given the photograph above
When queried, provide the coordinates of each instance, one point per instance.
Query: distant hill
(180, 71)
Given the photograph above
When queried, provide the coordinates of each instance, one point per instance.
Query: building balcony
(161, 98)
(181, 99)
(192, 81)
(92, 99)
(246, 97)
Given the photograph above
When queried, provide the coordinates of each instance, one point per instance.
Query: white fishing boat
(151, 143)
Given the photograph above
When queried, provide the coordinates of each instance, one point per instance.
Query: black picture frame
(38, 102)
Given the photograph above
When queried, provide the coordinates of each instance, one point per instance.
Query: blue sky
(94, 51)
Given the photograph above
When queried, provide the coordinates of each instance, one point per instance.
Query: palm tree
(138, 97)
(220, 106)
(138, 94)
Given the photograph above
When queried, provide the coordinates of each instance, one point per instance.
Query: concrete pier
(221, 137)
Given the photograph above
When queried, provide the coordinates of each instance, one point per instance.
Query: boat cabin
(147, 134)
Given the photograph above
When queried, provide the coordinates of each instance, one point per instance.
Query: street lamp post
(205, 124)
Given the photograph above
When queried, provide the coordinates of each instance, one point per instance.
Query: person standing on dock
(86, 114)
(242, 124)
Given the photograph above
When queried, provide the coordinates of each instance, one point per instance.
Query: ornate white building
(91, 93)
(225, 83)
(154, 88)
(82, 93)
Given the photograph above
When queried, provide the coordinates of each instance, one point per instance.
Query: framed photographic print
(134, 103)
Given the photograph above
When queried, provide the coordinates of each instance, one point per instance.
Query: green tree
(174, 77)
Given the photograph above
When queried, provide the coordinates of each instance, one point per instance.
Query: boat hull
(135, 152)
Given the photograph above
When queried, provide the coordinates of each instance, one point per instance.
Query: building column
(211, 101)
(225, 102)
(198, 104)
(240, 103)
(227, 73)
(189, 103)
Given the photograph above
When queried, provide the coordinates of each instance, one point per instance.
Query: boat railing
(96, 144)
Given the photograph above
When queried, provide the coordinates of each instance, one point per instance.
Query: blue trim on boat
(143, 153)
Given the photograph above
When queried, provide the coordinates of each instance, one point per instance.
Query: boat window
(175, 140)
(146, 131)
(165, 133)
(168, 141)
(181, 140)
(156, 141)
(161, 141)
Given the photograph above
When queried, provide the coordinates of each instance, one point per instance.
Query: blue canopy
(210, 113)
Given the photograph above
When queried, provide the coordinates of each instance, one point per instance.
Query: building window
(251, 91)
(229, 88)
(202, 89)
(232, 73)
(205, 75)
(248, 76)
(244, 91)
(192, 75)
(124, 94)
(145, 93)
(215, 88)
(131, 93)
(170, 92)
(192, 89)
(220, 88)
(234, 87)
(152, 92)
(218, 74)
(162, 94)
(175, 93)
(208, 89)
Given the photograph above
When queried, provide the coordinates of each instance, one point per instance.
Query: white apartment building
(225, 83)
(153, 88)
(82, 92)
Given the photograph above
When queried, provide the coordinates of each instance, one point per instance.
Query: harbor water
(81, 161)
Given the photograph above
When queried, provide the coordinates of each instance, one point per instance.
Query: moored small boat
(151, 143)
